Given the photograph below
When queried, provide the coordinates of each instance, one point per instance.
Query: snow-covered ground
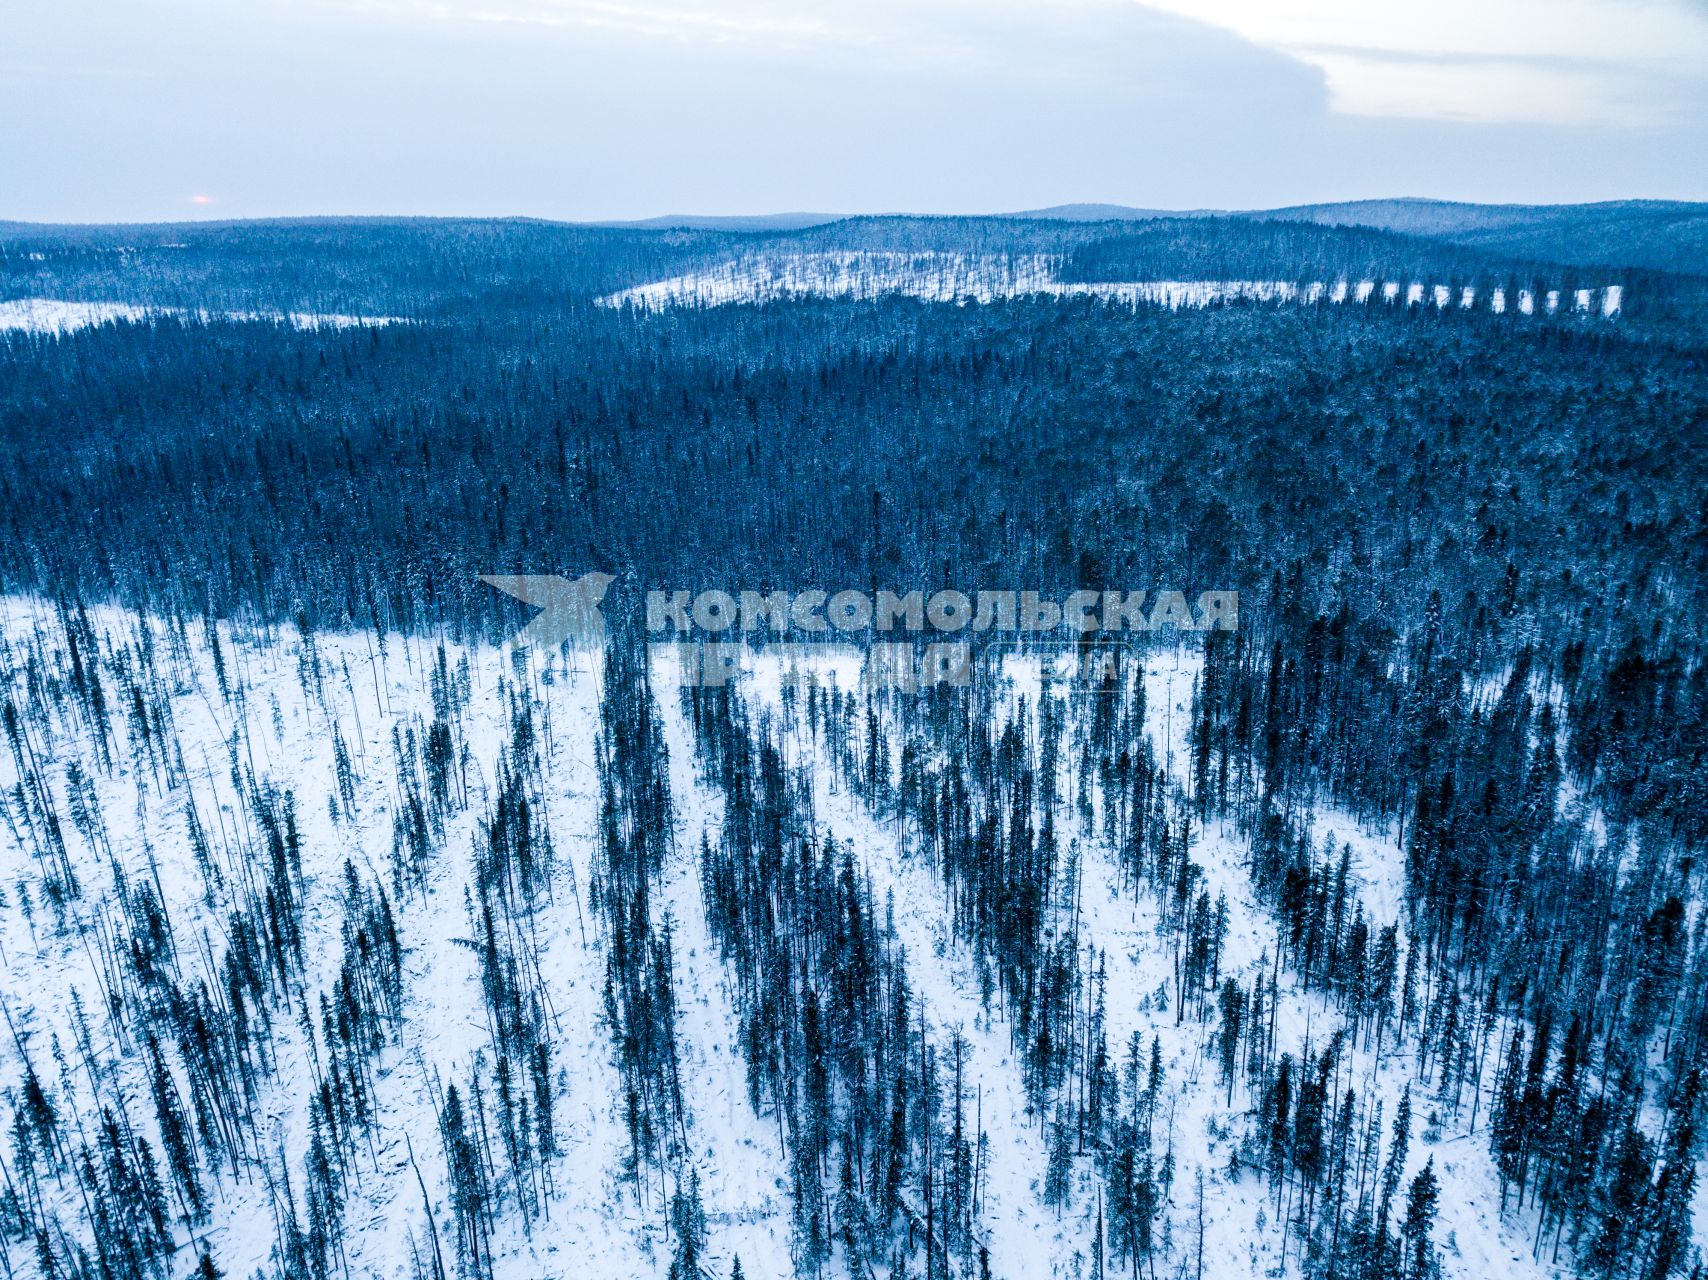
(58, 316)
(51, 315)
(285, 736)
(279, 724)
(1474, 1240)
(961, 277)
(747, 1194)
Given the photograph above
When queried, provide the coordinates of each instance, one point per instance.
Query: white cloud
(1071, 42)
(1543, 61)
(769, 22)
(1568, 62)
(1486, 90)
(745, 21)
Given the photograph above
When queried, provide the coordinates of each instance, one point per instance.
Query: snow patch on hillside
(963, 277)
(56, 316)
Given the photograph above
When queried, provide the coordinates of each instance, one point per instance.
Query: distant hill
(1107, 213)
(1665, 235)
(727, 222)
(454, 266)
(1668, 235)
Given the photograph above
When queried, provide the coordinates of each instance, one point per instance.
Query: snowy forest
(343, 938)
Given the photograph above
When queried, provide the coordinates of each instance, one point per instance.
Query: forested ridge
(1313, 921)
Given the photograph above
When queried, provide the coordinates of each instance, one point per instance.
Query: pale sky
(581, 109)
